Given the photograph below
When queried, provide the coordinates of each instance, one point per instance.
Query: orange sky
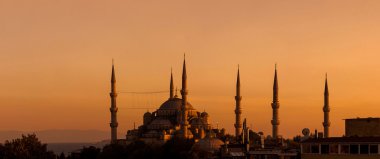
(55, 60)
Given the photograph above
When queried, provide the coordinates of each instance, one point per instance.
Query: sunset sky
(55, 60)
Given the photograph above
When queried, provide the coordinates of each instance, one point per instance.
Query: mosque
(176, 117)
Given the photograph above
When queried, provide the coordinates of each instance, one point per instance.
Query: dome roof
(174, 104)
(197, 121)
(204, 114)
(209, 144)
(164, 122)
(160, 124)
(147, 114)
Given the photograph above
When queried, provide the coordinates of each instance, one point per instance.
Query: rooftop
(344, 140)
(368, 118)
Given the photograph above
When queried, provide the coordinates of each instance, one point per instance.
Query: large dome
(175, 104)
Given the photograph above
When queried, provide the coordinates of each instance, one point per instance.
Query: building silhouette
(275, 106)
(176, 117)
(238, 124)
(113, 108)
(326, 112)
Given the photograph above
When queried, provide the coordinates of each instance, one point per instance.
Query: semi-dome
(174, 104)
(160, 124)
(209, 144)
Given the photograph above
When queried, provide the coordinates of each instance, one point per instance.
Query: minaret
(171, 85)
(275, 106)
(238, 108)
(326, 111)
(245, 138)
(113, 108)
(184, 122)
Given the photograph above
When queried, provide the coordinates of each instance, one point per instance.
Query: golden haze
(56, 60)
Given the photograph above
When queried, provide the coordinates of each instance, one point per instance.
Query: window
(373, 149)
(344, 149)
(334, 148)
(364, 149)
(354, 149)
(314, 148)
(325, 149)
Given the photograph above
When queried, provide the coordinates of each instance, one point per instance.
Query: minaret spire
(275, 85)
(238, 125)
(275, 106)
(171, 85)
(326, 111)
(184, 122)
(113, 108)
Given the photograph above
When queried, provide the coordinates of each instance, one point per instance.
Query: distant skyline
(56, 60)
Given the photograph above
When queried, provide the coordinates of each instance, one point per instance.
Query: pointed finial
(184, 75)
(113, 79)
(176, 92)
(326, 86)
(238, 82)
(171, 94)
(275, 85)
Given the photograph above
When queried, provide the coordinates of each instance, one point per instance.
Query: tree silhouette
(90, 152)
(26, 147)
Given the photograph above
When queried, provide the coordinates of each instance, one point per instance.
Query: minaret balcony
(114, 124)
(114, 109)
(184, 92)
(275, 122)
(238, 125)
(326, 123)
(113, 94)
(275, 105)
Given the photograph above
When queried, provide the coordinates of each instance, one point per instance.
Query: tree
(28, 147)
(114, 151)
(62, 156)
(90, 152)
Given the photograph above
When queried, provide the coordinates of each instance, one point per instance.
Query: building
(361, 141)
(363, 127)
(341, 148)
(176, 117)
(272, 154)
